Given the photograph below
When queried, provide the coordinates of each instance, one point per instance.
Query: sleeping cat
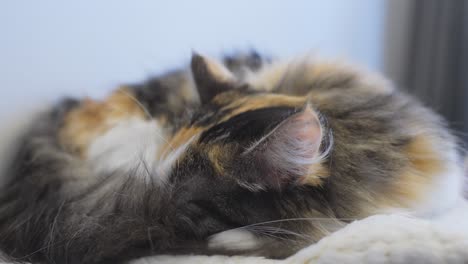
(246, 156)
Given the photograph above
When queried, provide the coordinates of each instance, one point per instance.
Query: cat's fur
(249, 157)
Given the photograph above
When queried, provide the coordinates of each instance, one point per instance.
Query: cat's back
(389, 150)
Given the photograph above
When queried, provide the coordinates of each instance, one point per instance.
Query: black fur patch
(248, 126)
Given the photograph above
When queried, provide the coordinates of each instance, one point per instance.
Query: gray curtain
(437, 58)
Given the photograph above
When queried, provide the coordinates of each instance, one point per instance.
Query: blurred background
(51, 48)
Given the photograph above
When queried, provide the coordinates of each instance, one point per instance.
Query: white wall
(50, 48)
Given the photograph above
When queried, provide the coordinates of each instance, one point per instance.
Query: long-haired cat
(246, 156)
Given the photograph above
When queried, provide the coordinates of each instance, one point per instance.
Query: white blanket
(376, 239)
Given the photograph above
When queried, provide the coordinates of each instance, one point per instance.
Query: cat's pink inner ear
(294, 146)
(301, 134)
(305, 127)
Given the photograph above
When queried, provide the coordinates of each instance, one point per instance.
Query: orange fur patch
(259, 101)
(93, 118)
(181, 137)
(424, 164)
(317, 173)
(218, 156)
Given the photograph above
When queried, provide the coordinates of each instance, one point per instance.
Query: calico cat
(246, 157)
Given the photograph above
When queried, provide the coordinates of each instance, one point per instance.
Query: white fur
(131, 145)
(445, 191)
(234, 240)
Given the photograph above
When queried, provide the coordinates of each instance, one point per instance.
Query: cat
(246, 156)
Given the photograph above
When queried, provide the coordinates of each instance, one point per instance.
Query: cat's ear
(291, 152)
(210, 76)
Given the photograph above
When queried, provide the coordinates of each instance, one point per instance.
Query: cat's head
(244, 158)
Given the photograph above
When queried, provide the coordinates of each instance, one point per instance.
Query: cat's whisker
(277, 230)
(278, 237)
(304, 219)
